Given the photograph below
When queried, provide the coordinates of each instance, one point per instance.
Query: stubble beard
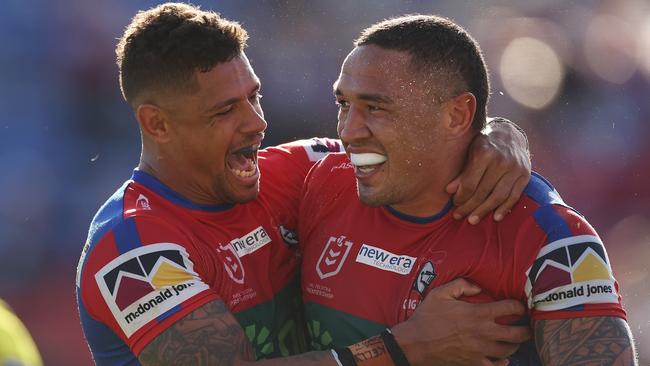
(383, 197)
(232, 197)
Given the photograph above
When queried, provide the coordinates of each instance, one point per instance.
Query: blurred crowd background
(574, 74)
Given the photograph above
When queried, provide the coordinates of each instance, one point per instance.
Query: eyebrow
(232, 100)
(368, 97)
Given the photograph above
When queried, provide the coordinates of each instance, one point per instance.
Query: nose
(352, 125)
(254, 121)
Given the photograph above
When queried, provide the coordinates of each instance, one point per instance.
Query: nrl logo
(333, 256)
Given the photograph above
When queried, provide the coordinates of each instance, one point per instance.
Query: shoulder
(564, 260)
(141, 266)
(543, 228)
(331, 174)
(312, 149)
(333, 165)
(542, 191)
(109, 215)
(542, 205)
(128, 224)
(299, 153)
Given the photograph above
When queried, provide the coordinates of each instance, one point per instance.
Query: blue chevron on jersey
(542, 192)
(126, 235)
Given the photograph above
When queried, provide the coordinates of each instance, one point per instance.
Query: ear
(153, 122)
(461, 110)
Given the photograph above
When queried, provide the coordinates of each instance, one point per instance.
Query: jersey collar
(161, 189)
(421, 220)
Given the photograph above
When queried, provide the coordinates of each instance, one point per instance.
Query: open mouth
(243, 162)
(367, 163)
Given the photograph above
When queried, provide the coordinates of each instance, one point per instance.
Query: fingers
(452, 187)
(494, 177)
(455, 289)
(511, 333)
(501, 308)
(466, 197)
(479, 158)
(515, 194)
(504, 362)
(478, 195)
(499, 195)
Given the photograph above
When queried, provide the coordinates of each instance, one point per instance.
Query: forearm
(212, 336)
(585, 341)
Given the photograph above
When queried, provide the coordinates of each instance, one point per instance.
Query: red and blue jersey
(367, 268)
(152, 257)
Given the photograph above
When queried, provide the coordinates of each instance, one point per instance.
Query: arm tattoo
(584, 341)
(370, 349)
(208, 335)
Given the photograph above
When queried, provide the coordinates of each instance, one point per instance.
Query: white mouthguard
(367, 159)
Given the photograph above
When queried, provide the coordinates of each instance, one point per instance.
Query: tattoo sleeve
(584, 341)
(209, 335)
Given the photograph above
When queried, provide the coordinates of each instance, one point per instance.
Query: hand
(446, 331)
(495, 174)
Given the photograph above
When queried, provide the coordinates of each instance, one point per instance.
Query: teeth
(245, 173)
(367, 159)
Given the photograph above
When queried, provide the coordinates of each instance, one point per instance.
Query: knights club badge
(333, 256)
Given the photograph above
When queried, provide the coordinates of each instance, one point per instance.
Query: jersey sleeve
(570, 276)
(139, 278)
(284, 168)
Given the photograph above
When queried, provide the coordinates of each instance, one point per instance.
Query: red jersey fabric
(153, 257)
(368, 268)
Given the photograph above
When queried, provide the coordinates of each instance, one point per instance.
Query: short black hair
(164, 46)
(436, 45)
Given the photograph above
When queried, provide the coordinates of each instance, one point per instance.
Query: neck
(426, 204)
(172, 175)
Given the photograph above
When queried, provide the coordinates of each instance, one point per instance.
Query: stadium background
(574, 74)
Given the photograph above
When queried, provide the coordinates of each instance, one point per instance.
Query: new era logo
(250, 242)
(144, 283)
(385, 260)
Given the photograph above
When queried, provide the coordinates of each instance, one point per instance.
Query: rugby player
(193, 260)
(375, 222)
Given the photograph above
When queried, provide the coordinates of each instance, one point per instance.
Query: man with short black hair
(412, 96)
(193, 260)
